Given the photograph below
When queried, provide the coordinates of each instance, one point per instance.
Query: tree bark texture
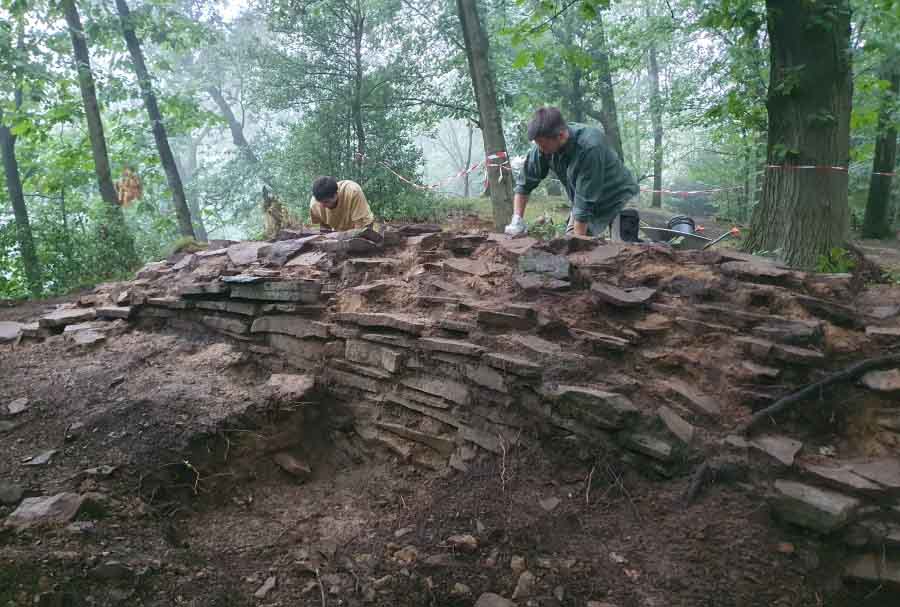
(877, 223)
(803, 213)
(166, 158)
(358, 24)
(609, 115)
(116, 232)
(20, 211)
(656, 119)
(500, 176)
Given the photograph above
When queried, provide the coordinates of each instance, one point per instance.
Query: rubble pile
(452, 347)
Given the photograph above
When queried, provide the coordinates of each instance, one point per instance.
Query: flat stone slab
(279, 253)
(373, 354)
(762, 272)
(796, 355)
(813, 508)
(471, 267)
(291, 325)
(400, 322)
(650, 446)
(882, 381)
(307, 260)
(792, 332)
(622, 298)
(885, 472)
(602, 341)
(205, 288)
(874, 569)
(884, 334)
(606, 410)
(56, 509)
(450, 346)
(63, 317)
(504, 320)
(684, 392)
(243, 308)
(85, 334)
(300, 291)
(841, 477)
(596, 257)
(245, 253)
(546, 264)
(677, 425)
(10, 331)
(782, 448)
(513, 364)
(439, 386)
(123, 312)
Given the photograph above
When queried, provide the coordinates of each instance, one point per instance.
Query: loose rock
(20, 405)
(266, 588)
(489, 599)
(10, 493)
(56, 509)
(525, 586)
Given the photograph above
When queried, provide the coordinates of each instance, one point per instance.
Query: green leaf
(522, 59)
(539, 58)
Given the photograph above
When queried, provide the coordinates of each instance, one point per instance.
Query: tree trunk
(14, 181)
(803, 213)
(182, 212)
(189, 171)
(609, 115)
(358, 25)
(115, 231)
(20, 211)
(237, 129)
(468, 175)
(656, 118)
(877, 224)
(499, 175)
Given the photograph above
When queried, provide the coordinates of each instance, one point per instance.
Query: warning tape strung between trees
(504, 165)
(502, 156)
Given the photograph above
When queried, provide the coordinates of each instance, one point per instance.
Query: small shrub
(836, 261)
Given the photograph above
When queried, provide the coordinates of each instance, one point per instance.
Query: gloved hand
(516, 227)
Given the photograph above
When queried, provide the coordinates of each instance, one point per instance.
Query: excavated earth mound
(421, 417)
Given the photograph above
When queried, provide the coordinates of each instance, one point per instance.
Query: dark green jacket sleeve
(533, 171)
(590, 178)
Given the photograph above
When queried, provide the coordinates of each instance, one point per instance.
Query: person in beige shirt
(339, 205)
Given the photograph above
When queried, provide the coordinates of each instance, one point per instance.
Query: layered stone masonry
(439, 391)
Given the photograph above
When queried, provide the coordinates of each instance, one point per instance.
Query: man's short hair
(546, 122)
(324, 188)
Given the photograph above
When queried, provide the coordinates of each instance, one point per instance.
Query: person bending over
(339, 205)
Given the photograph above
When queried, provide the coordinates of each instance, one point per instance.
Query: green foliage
(836, 261)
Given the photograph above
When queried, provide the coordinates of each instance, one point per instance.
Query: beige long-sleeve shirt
(352, 210)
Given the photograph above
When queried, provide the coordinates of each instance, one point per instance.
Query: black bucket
(682, 223)
(629, 225)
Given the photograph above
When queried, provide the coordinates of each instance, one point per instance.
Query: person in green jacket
(596, 181)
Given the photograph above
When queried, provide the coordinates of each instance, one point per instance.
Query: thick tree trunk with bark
(500, 176)
(166, 157)
(656, 119)
(609, 115)
(115, 231)
(877, 223)
(803, 213)
(20, 211)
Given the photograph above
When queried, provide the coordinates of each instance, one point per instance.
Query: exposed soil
(212, 531)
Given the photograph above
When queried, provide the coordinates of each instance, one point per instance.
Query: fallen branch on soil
(850, 373)
(321, 587)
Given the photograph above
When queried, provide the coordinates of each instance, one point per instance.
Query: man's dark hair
(324, 188)
(546, 122)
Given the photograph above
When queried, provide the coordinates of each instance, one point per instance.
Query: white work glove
(516, 227)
